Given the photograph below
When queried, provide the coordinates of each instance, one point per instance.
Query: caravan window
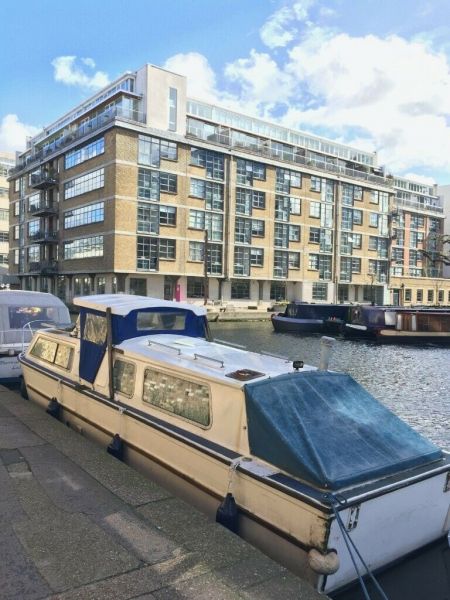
(95, 329)
(53, 352)
(19, 316)
(123, 376)
(172, 320)
(177, 396)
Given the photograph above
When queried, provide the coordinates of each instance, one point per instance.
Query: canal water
(414, 383)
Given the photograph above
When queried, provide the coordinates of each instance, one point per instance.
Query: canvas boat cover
(325, 428)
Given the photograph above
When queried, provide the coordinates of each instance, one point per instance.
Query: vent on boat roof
(244, 374)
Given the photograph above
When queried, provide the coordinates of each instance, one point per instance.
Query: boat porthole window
(123, 377)
(53, 352)
(185, 399)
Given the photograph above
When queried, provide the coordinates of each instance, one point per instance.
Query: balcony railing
(263, 150)
(416, 205)
(43, 208)
(45, 267)
(70, 136)
(42, 236)
(43, 180)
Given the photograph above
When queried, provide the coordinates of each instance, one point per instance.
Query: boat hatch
(244, 374)
(324, 428)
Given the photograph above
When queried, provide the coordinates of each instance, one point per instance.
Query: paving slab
(76, 524)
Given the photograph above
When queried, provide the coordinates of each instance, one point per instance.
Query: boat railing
(210, 359)
(165, 346)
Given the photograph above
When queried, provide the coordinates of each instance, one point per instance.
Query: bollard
(326, 344)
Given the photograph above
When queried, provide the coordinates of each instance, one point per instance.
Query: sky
(371, 73)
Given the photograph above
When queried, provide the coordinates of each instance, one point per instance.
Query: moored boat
(21, 313)
(301, 317)
(309, 455)
(399, 324)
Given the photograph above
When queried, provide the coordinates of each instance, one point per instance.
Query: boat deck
(78, 524)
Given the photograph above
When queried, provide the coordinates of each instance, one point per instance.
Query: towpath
(76, 524)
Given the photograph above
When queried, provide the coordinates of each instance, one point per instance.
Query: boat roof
(123, 304)
(28, 298)
(210, 359)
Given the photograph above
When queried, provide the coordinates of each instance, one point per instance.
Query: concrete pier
(76, 524)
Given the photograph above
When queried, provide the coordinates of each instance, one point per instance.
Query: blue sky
(374, 73)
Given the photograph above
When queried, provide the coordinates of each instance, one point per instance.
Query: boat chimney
(326, 345)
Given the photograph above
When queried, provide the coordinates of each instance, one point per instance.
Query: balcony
(44, 209)
(44, 237)
(45, 267)
(43, 180)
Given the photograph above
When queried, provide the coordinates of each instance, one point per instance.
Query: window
(93, 213)
(280, 263)
(294, 260)
(170, 319)
(196, 251)
(314, 235)
(441, 296)
(347, 194)
(173, 95)
(16, 209)
(319, 291)
(152, 183)
(101, 285)
(180, 397)
(80, 155)
(214, 259)
(277, 291)
(123, 377)
(34, 254)
(53, 352)
(373, 219)
(147, 218)
(419, 295)
(152, 150)
(281, 235)
(356, 243)
(247, 171)
(258, 228)
(282, 208)
(285, 179)
(84, 247)
(196, 219)
(374, 199)
(243, 231)
(347, 218)
(214, 226)
(295, 206)
(213, 162)
(244, 203)
(316, 184)
(195, 288)
(147, 253)
(167, 215)
(85, 183)
(408, 295)
(4, 214)
(241, 260)
(33, 228)
(95, 329)
(294, 233)
(256, 257)
(167, 249)
(240, 289)
(258, 199)
(357, 217)
(211, 192)
(3, 259)
(314, 209)
(138, 286)
(356, 265)
(430, 295)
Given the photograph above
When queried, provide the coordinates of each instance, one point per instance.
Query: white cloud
(282, 27)
(68, 72)
(201, 79)
(13, 133)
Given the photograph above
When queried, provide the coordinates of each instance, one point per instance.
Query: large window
(242, 260)
(196, 251)
(53, 352)
(93, 213)
(213, 162)
(151, 250)
(319, 291)
(123, 377)
(247, 171)
(152, 183)
(85, 183)
(210, 191)
(180, 397)
(80, 155)
(240, 289)
(152, 150)
(285, 179)
(84, 247)
(280, 263)
(195, 288)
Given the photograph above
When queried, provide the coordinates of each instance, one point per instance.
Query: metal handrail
(209, 358)
(177, 350)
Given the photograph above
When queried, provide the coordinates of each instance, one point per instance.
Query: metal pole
(109, 351)
(205, 271)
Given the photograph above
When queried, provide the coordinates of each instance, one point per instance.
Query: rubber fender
(228, 513)
(325, 564)
(54, 408)
(115, 448)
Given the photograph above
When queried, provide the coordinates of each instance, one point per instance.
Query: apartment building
(417, 275)
(141, 189)
(444, 194)
(7, 161)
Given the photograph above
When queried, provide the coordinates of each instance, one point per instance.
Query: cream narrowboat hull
(384, 520)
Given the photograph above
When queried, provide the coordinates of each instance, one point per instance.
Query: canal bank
(78, 524)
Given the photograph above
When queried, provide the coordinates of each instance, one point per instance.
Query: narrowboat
(301, 317)
(399, 324)
(21, 313)
(302, 462)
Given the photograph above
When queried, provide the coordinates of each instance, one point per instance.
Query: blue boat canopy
(131, 316)
(326, 429)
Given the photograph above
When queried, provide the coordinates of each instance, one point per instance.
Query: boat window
(177, 396)
(95, 329)
(389, 317)
(123, 376)
(19, 316)
(53, 352)
(172, 320)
